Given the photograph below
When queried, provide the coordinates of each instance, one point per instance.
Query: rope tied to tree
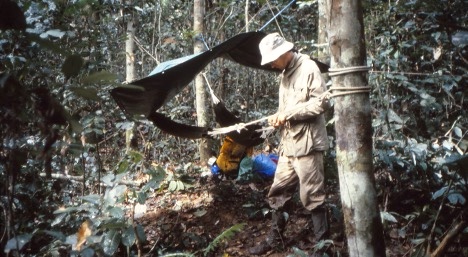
(341, 91)
(332, 72)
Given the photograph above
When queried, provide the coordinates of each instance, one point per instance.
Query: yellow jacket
(231, 154)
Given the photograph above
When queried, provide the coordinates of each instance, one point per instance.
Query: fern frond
(226, 235)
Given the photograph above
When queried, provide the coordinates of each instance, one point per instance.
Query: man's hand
(277, 119)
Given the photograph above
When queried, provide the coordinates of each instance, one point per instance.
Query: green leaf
(111, 241)
(114, 224)
(17, 243)
(180, 185)
(46, 44)
(59, 219)
(455, 198)
(108, 179)
(128, 237)
(116, 212)
(87, 252)
(136, 156)
(226, 235)
(200, 212)
(56, 234)
(439, 193)
(388, 217)
(141, 233)
(298, 253)
(94, 199)
(55, 33)
(66, 210)
(172, 186)
(72, 65)
(112, 196)
(141, 197)
(458, 132)
(88, 93)
(100, 77)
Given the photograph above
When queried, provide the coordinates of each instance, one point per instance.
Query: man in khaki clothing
(303, 138)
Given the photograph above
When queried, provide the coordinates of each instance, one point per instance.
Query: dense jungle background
(77, 178)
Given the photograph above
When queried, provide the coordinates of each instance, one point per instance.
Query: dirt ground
(180, 223)
(187, 221)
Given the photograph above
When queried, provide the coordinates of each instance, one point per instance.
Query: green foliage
(226, 235)
(74, 50)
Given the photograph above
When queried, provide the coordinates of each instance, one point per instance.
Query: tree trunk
(130, 52)
(201, 94)
(130, 73)
(354, 132)
(246, 14)
(323, 54)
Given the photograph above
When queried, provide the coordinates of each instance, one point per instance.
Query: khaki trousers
(308, 172)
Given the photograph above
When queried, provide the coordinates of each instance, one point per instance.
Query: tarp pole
(274, 17)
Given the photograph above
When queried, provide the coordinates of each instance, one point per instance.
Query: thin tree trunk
(201, 94)
(246, 14)
(130, 71)
(322, 32)
(130, 52)
(354, 132)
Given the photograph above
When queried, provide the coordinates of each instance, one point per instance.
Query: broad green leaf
(72, 66)
(94, 199)
(59, 235)
(123, 167)
(111, 241)
(180, 185)
(17, 242)
(140, 233)
(172, 186)
(200, 212)
(141, 197)
(298, 253)
(99, 77)
(55, 33)
(108, 179)
(88, 93)
(112, 196)
(455, 198)
(118, 191)
(75, 149)
(114, 224)
(458, 132)
(388, 217)
(116, 212)
(87, 252)
(45, 43)
(439, 193)
(59, 219)
(136, 156)
(128, 237)
(134, 87)
(66, 210)
(393, 117)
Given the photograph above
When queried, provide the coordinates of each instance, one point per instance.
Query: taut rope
(289, 113)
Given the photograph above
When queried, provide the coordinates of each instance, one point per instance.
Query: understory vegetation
(76, 175)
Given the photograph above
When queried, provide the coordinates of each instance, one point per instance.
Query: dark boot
(274, 239)
(320, 223)
(321, 229)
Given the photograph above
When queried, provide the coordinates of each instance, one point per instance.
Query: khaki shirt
(305, 130)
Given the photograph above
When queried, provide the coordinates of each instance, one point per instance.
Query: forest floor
(188, 221)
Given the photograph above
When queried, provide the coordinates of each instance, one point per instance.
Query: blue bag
(264, 165)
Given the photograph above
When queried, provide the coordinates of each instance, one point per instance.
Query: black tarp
(145, 96)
